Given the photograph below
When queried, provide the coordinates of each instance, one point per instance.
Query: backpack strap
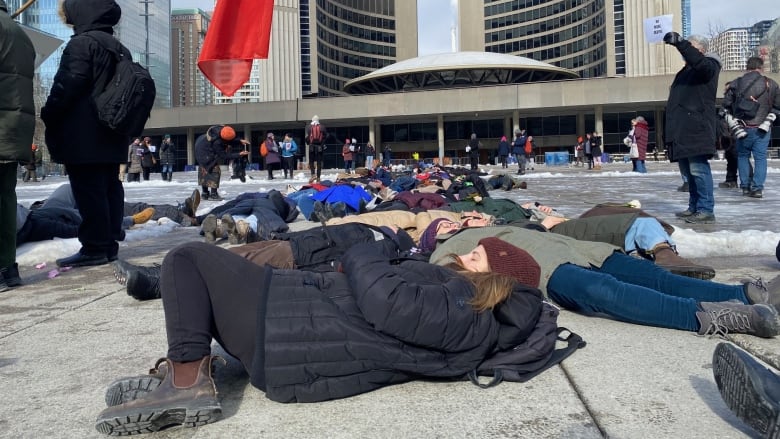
(573, 342)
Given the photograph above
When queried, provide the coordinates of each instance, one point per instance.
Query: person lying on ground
(630, 228)
(373, 323)
(58, 216)
(749, 388)
(267, 214)
(596, 278)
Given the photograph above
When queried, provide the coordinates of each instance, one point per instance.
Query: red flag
(239, 32)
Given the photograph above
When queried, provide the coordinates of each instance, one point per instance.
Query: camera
(766, 125)
(736, 126)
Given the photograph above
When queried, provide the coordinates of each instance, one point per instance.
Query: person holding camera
(691, 122)
(753, 102)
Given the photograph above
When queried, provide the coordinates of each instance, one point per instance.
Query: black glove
(672, 38)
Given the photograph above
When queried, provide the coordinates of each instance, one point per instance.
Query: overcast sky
(436, 17)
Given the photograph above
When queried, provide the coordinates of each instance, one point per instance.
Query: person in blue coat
(308, 336)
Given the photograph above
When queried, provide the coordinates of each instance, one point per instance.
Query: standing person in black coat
(307, 337)
(90, 151)
(503, 151)
(211, 151)
(473, 150)
(167, 158)
(691, 124)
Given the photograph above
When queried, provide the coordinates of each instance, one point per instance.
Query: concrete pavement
(62, 340)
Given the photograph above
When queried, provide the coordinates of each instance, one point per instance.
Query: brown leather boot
(167, 405)
(666, 257)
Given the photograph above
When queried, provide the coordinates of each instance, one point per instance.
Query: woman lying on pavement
(599, 278)
(306, 336)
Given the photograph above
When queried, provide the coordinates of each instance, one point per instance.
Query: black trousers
(210, 293)
(315, 161)
(100, 197)
(288, 164)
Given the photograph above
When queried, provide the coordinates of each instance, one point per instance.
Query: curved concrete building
(356, 37)
(459, 69)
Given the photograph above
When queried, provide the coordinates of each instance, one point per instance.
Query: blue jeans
(637, 291)
(699, 175)
(304, 201)
(756, 142)
(645, 233)
(640, 167)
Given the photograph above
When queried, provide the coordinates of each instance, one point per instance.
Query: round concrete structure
(456, 69)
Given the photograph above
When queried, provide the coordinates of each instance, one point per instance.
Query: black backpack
(126, 101)
(532, 357)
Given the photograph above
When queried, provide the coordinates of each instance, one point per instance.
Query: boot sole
(695, 274)
(129, 389)
(737, 383)
(151, 419)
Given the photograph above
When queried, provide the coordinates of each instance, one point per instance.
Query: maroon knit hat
(504, 258)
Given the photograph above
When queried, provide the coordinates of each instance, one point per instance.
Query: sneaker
(758, 291)
(684, 214)
(166, 406)
(748, 388)
(756, 194)
(727, 184)
(701, 218)
(745, 191)
(683, 188)
(242, 231)
(723, 318)
(143, 216)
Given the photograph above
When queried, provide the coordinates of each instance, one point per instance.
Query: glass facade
(306, 85)
(354, 38)
(145, 30)
(566, 33)
(686, 18)
(43, 15)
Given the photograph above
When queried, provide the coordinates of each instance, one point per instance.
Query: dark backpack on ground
(126, 101)
(532, 357)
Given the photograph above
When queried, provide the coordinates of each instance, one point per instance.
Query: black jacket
(763, 89)
(332, 335)
(211, 150)
(167, 153)
(690, 109)
(73, 133)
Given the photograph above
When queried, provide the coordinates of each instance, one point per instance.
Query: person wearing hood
(17, 125)
(691, 124)
(503, 151)
(90, 150)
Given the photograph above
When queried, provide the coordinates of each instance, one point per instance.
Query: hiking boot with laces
(748, 388)
(758, 291)
(166, 406)
(211, 229)
(722, 318)
(242, 231)
(143, 283)
(229, 227)
(191, 204)
(701, 218)
(667, 258)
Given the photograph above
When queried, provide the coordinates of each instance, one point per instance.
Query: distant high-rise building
(594, 38)
(686, 18)
(144, 30)
(734, 46)
(318, 45)
(188, 85)
(131, 31)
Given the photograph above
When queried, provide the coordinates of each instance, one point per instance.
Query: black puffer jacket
(167, 153)
(73, 133)
(17, 109)
(332, 335)
(211, 150)
(690, 109)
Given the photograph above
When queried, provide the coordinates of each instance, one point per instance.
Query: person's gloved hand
(672, 38)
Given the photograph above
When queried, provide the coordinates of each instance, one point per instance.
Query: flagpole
(23, 8)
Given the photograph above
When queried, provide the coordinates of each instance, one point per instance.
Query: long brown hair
(490, 288)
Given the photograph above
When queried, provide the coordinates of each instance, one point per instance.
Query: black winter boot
(215, 195)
